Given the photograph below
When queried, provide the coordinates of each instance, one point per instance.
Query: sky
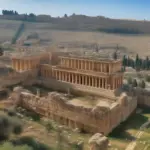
(122, 9)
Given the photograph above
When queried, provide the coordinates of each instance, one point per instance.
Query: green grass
(123, 134)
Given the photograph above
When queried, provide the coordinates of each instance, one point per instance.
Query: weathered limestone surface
(80, 76)
(102, 74)
(101, 119)
(16, 77)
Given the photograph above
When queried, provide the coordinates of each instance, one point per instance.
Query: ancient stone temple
(93, 106)
(24, 63)
(105, 74)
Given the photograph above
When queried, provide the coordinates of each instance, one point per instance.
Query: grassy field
(119, 138)
(131, 43)
(134, 44)
(8, 29)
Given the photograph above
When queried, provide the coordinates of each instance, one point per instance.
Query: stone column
(106, 83)
(103, 83)
(76, 78)
(89, 78)
(66, 76)
(72, 78)
(93, 81)
(99, 80)
(62, 76)
(86, 80)
(79, 79)
(59, 77)
(56, 74)
(69, 77)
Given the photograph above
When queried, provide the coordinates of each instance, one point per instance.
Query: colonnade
(84, 64)
(83, 79)
(24, 64)
(117, 82)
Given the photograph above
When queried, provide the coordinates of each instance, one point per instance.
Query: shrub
(17, 129)
(31, 143)
(9, 146)
(9, 125)
(49, 126)
(11, 112)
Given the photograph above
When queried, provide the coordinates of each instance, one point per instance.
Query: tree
(115, 55)
(65, 16)
(134, 83)
(124, 61)
(142, 84)
(137, 62)
(147, 62)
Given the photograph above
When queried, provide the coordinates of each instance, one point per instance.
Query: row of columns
(86, 65)
(82, 79)
(23, 65)
(117, 82)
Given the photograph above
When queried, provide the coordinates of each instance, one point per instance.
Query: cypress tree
(142, 84)
(134, 83)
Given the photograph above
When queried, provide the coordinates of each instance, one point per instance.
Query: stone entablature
(104, 66)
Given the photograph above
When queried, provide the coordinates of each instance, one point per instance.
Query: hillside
(86, 23)
(8, 29)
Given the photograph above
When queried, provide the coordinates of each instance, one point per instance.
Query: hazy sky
(129, 9)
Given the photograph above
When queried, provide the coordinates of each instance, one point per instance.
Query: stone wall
(75, 89)
(16, 77)
(99, 119)
(143, 96)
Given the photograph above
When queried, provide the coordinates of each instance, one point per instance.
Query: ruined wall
(143, 96)
(79, 90)
(16, 77)
(98, 119)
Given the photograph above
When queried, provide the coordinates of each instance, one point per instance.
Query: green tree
(115, 55)
(124, 61)
(137, 62)
(142, 84)
(134, 83)
(147, 62)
